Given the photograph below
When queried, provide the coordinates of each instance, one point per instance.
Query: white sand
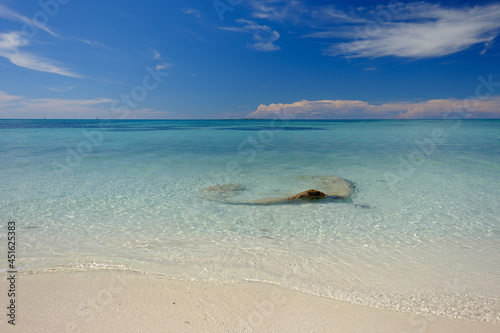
(118, 301)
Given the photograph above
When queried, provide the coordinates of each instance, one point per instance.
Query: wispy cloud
(327, 14)
(10, 48)
(7, 100)
(11, 42)
(279, 10)
(64, 89)
(154, 54)
(408, 30)
(65, 105)
(299, 12)
(12, 106)
(417, 30)
(21, 107)
(191, 11)
(263, 36)
(163, 65)
(9, 14)
(95, 43)
(353, 109)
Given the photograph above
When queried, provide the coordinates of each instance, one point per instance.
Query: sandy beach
(124, 301)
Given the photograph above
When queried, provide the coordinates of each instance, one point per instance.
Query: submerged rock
(332, 187)
(306, 195)
(309, 194)
(335, 186)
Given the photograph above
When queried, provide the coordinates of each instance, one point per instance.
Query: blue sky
(235, 58)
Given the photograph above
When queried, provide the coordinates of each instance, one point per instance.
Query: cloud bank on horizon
(350, 109)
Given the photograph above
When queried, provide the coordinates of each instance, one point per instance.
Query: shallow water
(420, 234)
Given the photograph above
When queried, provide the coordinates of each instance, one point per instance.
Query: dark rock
(333, 186)
(309, 194)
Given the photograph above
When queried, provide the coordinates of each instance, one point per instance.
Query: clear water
(421, 233)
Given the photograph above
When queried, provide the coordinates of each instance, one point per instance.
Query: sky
(218, 59)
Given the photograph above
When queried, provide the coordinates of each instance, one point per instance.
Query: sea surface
(420, 234)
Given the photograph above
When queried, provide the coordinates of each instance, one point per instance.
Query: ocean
(420, 234)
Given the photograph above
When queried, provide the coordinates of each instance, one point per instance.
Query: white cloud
(417, 30)
(408, 30)
(7, 100)
(263, 36)
(329, 14)
(12, 41)
(62, 108)
(9, 14)
(29, 29)
(155, 54)
(279, 10)
(301, 13)
(10, 48)
(64, 89)
(20, 107)
(95, 43)
(163, 65)
(353, 109)
(191, 11)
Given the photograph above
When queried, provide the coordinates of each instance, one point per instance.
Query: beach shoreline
(125, 301)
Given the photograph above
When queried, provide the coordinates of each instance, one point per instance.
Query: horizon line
(287, 119)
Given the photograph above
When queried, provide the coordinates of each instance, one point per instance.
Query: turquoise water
(421, 233)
